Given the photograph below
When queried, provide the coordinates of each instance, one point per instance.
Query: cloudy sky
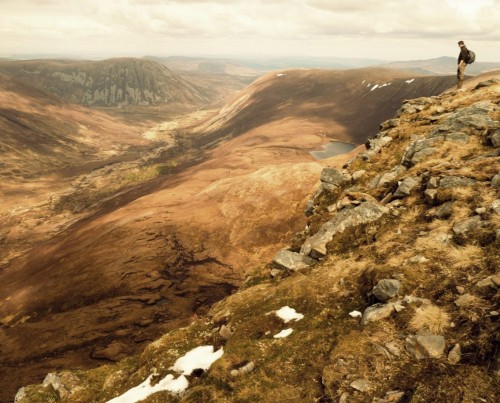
(385, 29)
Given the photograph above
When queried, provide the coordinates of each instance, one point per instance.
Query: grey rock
(464, 300)
(361, 385)
(373, 146)
(358, 174)
(494, 138)
(487, 83)
(422, 155)
(366, 212)
(291, 260)
(386, 289)
(377, 312)
(455, 354)
(393, 348)
(418, 259)
(243, 370)
(333, 177)
(486, 282)
(390, 176)
(460, 289)
(344, 397)
(420, 149)
(476, 116)
(425, 346)
(444, 211)
(410, 299)
(325, 188)
(470, 224)
(495, 182)
(430, 196)
(447, 182)
(65, 383)
(433, 183)
(495, 206)
(481, 210)
(407, 186)
(389, 124)
(457, 137)
(310, 208)
(225, 332)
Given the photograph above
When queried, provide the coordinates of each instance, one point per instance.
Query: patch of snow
(284, 333)
(355, 314)
(369, 84)
(200, 357)
(410, 81)
(280, 75)
(142, 391)
(363, 82)
(287, 314)
(374, 87)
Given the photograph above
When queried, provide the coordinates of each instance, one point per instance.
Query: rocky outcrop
(425, 346)
(365, 213)
(291, 260)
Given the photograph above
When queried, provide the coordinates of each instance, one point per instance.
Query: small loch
(332, 149)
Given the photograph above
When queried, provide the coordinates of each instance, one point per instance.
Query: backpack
(471, 58)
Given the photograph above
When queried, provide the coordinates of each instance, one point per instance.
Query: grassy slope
(329, 349)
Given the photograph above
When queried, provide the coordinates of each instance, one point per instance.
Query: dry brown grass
(430, 318)
(413, 214)
(464, 257)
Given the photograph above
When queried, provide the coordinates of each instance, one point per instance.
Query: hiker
(462, 62)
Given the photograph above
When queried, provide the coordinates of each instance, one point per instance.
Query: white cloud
(390, 29)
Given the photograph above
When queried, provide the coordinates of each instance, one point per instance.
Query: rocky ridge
(395, 276)
(112, 82)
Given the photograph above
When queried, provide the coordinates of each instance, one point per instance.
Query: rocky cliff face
(389, 294)
(113, 82)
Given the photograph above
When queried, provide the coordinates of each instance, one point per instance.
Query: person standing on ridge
(462, 63)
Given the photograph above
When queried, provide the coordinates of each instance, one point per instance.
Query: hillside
(390, 293)
(41, 133)
(441, 65)
(344, 105)
(112, 82)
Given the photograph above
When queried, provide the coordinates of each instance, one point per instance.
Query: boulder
(377, 312)
(433, 183)
(463, 227)
(386, 289)
(407, 186)
(64, 383)
(333, 177)
(358, 174)
(390, 176)
(389, 124)
(418, 150)
(494, 138)
(495, 206)
(365, 213)
(425, 346)
(361, 385)
(457, 137)
(225, 332)
(495, 182)
(430, 196)
(464, 300)
(291, 260)
(393, 396)
(455, 354)
(448, 182)
(444, 211)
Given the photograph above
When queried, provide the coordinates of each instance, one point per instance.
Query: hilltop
(112, 82)
(390, 293)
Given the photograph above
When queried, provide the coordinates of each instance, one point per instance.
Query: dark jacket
(464, 55)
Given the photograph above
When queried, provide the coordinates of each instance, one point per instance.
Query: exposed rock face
(365, 213)
(407, 186)
(113, 82)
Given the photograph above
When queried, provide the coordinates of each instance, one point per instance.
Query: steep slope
(344, 104)
(113, 82)
(405, 238)
(152, 256)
